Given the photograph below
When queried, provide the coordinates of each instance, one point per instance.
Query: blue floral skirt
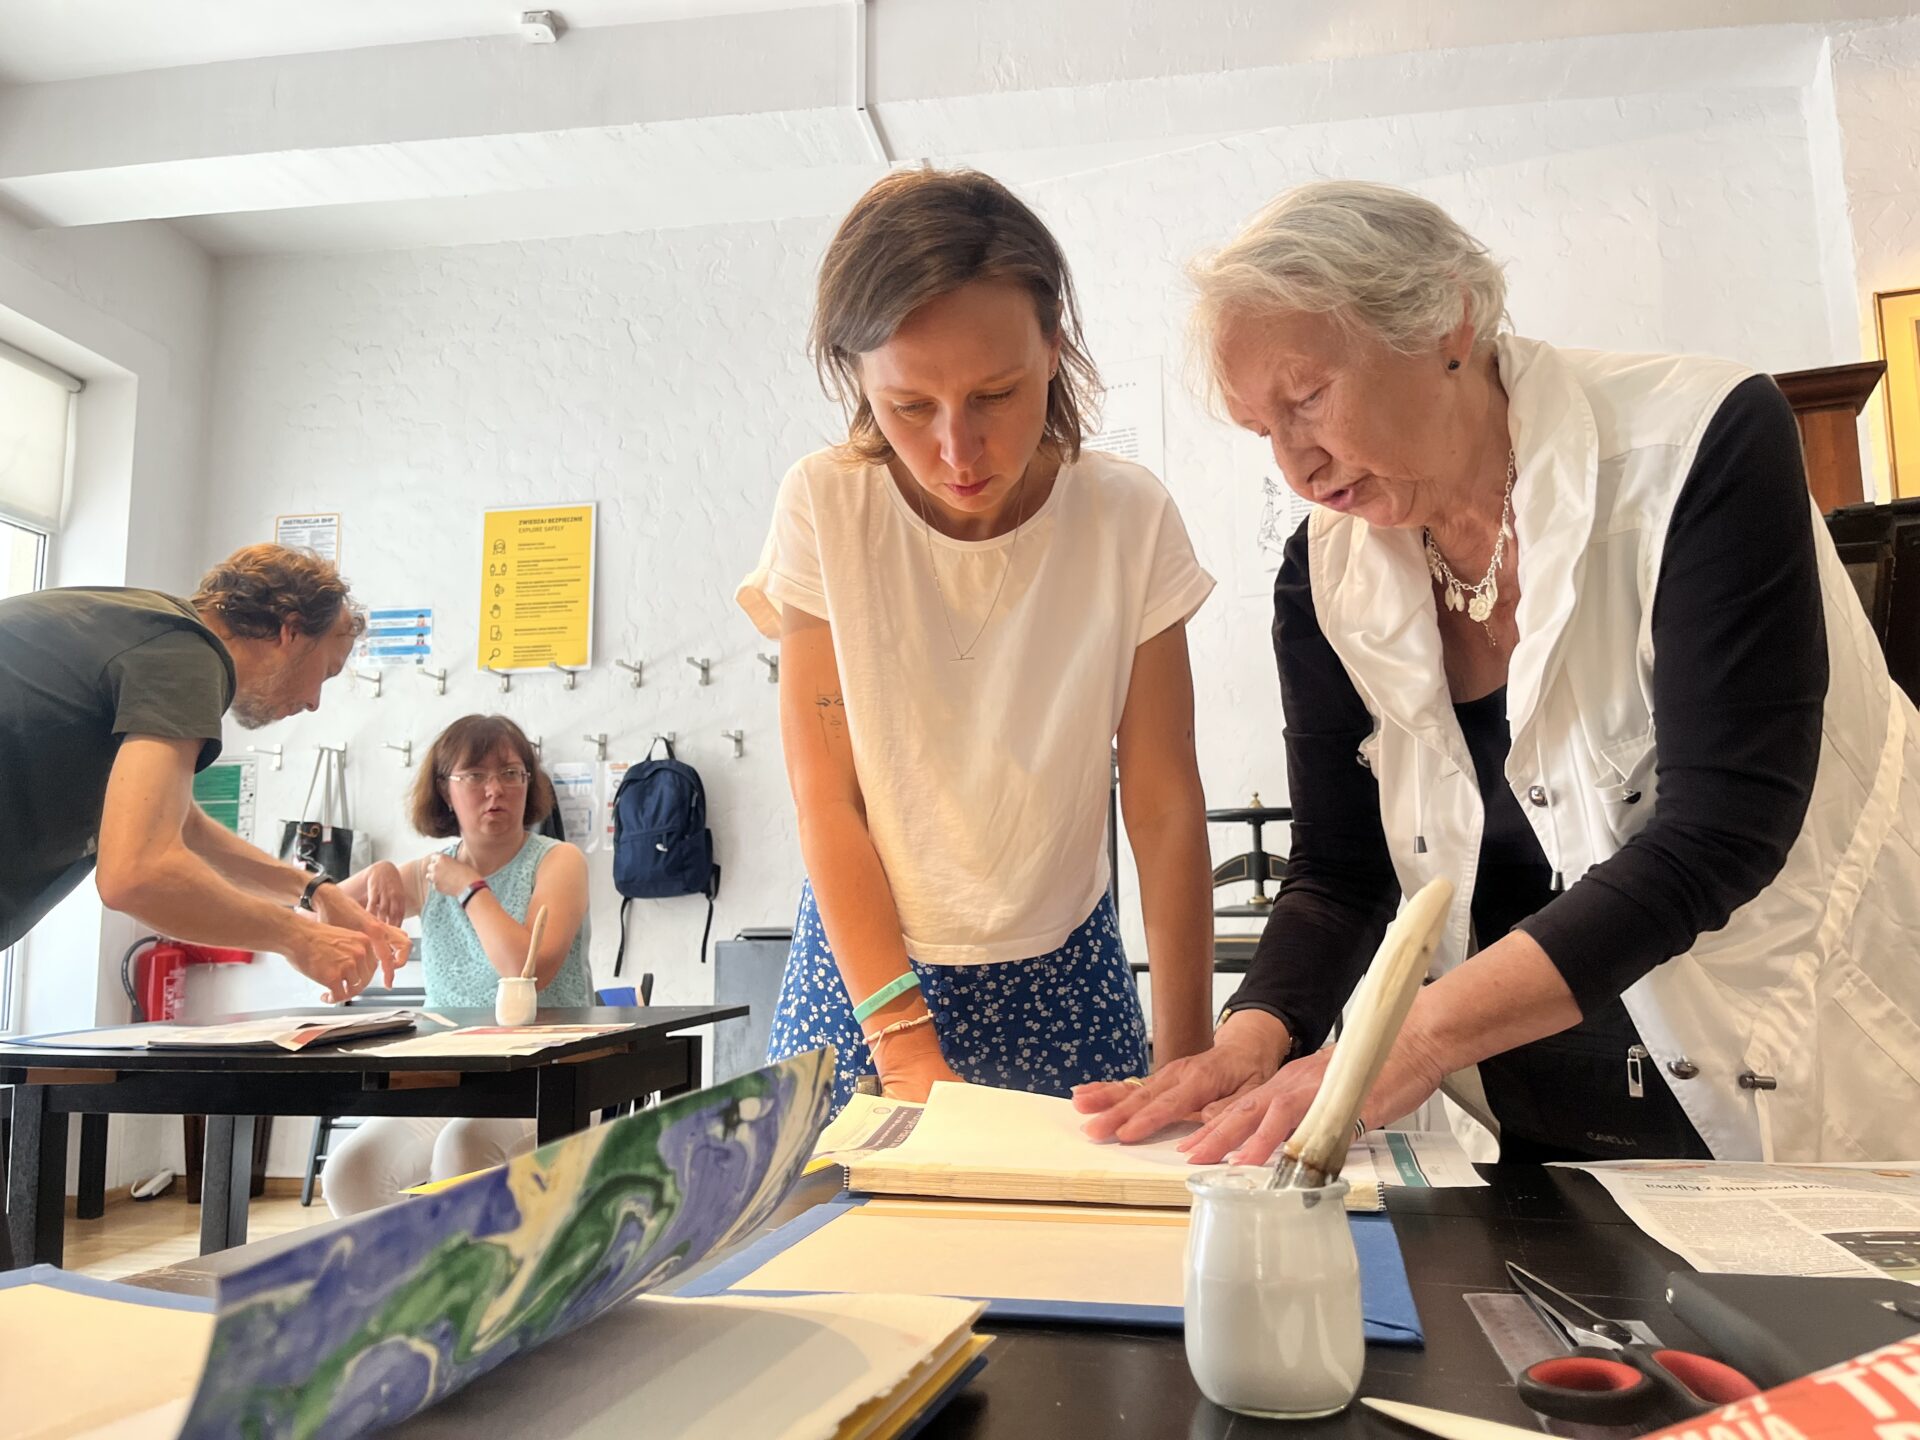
(1066, 1018)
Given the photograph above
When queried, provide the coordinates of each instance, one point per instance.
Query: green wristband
(891, 990)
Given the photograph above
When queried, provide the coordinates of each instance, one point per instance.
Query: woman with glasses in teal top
(481, 787)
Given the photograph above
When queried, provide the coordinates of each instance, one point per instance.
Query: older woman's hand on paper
(1246, 1050)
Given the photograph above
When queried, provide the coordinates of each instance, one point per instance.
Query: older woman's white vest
(1792, 1033)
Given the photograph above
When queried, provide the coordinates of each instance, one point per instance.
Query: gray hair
(1380, 258)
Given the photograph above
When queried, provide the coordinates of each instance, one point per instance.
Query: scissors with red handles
(1613, 1377)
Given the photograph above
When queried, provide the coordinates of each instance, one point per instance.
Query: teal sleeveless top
(458, 971)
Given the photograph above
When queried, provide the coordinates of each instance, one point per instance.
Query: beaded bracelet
(894, 1029)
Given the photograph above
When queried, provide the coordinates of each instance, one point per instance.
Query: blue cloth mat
(1386, 1300)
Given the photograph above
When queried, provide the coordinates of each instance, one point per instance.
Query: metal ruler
(1521, 1338)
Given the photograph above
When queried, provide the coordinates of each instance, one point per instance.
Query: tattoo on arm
(833, 716)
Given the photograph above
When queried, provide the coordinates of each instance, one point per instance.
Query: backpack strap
(713, 889)
(657, 741)
(620, 955)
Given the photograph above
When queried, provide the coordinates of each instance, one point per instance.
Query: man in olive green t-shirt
(111, 701)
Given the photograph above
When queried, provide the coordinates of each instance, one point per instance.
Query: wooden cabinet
(1827, 404)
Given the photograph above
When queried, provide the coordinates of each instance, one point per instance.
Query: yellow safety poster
(536, 588)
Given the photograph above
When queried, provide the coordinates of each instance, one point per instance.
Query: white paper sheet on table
(1737, 1217)
(1014, 1130)
(265, 1032)
(1421, 1160)
(490, 1040)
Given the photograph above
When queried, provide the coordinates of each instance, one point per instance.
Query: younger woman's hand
(910, 1064)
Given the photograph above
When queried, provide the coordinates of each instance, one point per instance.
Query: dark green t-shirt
(79, 670)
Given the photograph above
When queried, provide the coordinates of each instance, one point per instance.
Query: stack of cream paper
(976, 1143)
(813, 1367)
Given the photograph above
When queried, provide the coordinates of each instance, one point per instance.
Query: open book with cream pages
(977, 1143)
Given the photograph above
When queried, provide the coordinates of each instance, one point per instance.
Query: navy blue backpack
(661, 844)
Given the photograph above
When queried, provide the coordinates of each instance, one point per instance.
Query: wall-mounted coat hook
(599, 742)
(705, 667)
(405, 747)
(439, 678)
(506, 679)
(772, 662)
(572, 675)
(276, 753)
(739, 739)
(374, 676)
(634, 667)
(540, 746)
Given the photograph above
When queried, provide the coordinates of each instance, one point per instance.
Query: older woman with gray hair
(1565, 628)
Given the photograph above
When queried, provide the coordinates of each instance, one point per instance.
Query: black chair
(6, 1152)
(641, 993)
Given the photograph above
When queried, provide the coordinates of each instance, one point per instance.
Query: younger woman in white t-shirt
(970, 608)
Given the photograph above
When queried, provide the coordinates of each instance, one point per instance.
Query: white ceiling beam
(435, 90)
(759, 116)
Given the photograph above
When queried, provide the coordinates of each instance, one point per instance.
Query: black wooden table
(559, 1089)
(1046, 1382)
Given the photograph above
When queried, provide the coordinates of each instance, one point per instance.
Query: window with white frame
(36, 459)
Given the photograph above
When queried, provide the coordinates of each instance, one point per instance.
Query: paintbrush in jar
(1318, 1148)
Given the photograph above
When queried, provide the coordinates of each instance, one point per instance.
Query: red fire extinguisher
(155, 981)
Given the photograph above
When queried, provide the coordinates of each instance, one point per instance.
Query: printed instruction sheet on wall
(1132, 421)
(575, 786)
(396, 636)
(318, 533)
(227, 791)
(536, 588)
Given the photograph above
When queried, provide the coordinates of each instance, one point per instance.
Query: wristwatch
(306, 895)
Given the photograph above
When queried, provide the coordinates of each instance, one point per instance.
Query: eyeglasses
(511, 778)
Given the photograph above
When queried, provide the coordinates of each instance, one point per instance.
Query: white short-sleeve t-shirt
(985, 780)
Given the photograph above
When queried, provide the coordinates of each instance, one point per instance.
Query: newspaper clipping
(1731, 1217)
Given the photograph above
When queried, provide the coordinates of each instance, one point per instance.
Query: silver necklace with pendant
(1477, 600)
(940, 590)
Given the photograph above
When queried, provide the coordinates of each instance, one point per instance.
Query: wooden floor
(136, 1235)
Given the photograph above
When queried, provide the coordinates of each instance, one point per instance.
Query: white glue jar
(1273, 1296)
(515, 1003)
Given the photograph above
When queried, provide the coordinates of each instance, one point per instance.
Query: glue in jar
(515, 1003)
(1272, 1296)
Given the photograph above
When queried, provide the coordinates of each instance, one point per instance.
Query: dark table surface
(1063, 1383)
(642, 1025)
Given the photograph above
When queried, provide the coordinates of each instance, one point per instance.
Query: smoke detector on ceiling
(541, 27)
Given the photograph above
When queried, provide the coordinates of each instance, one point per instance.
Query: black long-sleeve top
(1739, 682)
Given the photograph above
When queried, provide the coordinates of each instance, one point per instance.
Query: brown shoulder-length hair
(259, 588)
(921, 234)
(469, 741)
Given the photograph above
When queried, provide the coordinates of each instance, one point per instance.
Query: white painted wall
(128, 309)
(1876, 96)
(661, 375)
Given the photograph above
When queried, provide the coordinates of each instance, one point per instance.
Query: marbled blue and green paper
(365, 1325)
